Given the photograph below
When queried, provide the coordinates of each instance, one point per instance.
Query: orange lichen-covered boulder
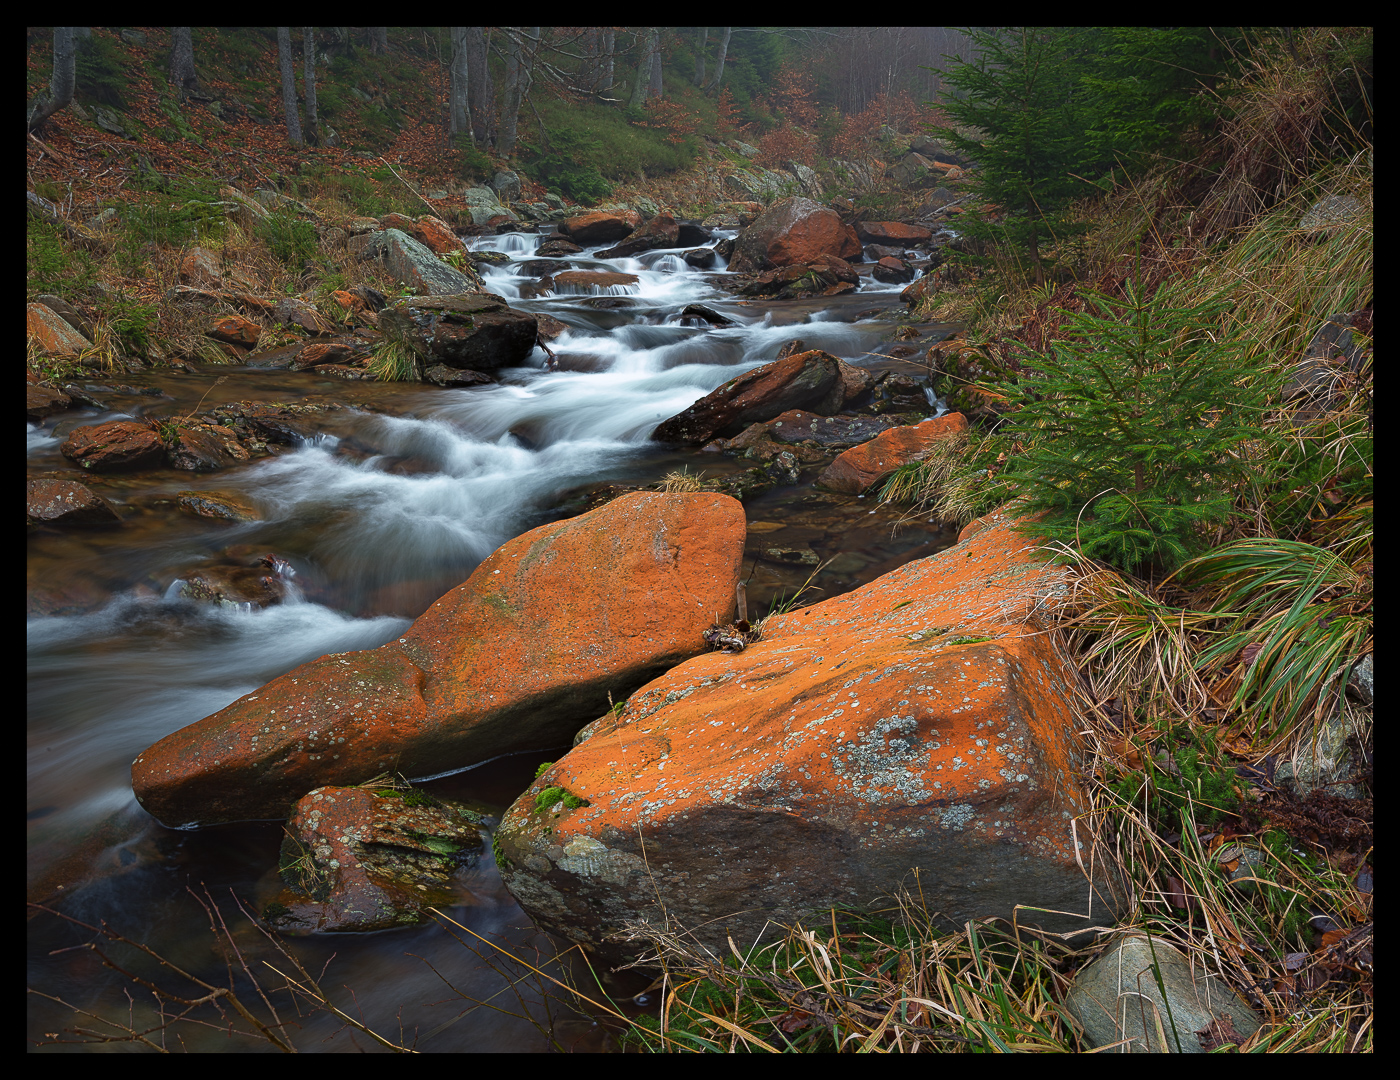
(863, 466)
(793, 231)
(921, 723)
(518, 657)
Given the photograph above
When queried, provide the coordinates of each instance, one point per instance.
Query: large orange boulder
(791, 232)
(808, 380)
(600, 226)
(518, 657)
(919, 724)
(861, 467)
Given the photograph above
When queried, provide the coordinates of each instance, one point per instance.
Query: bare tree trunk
(182, 74)
(308, 44)
(289, 88)
(644, 65)
(60, 94)
(723, 52)
(605, 71)
(457, 97)
(481, 90)
(700, 56)
(657, 88)
(519, 66)
(378, 40)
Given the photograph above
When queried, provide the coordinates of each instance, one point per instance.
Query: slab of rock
(516, 658)
(892, 271)
(892, 232)
(218, 506)
(661, 231)
(67, 502)
(52, 333)
(600, 226)
(794, 231)
(370, 859)
(41, 402)
(809, 380)
(206, 448)
(921, 722)
(478, 331)
(415, 263)
(587, 280)
(861, 467)
(114, 446)
(1116, 997)
(797, 426)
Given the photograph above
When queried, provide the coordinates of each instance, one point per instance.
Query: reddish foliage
(786, 144)
(675, 119)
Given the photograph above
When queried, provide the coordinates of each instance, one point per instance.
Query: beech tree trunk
(460, 120)
(308, 44)
(182, 74)
(719, 60)
(60, 94)
(700, 56)
(481, 90)
(378, 40)
(519, 68)
(289, 88)
(642, 84)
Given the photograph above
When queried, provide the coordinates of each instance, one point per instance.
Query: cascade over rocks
(920, 722)
(810, 380)
(516, 658)
(793, 231)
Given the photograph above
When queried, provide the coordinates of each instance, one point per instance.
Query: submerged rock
(921, 723)
(517, 658)
(370, 859)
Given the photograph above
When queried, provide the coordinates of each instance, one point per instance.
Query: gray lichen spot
(588, 857)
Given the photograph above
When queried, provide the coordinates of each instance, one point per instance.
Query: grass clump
(395, 361)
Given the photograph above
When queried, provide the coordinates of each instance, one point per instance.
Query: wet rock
(600, 226)
(1117, 997)
(689, 234)
(344, 350)
(543, 267)
(206, 448)
(808, 380)
(826, 275)
(480, 331)
(923, 722)
(594, 279)
(792, 232)
(892, 271)
(709, 314)
(836, 431)
(114, 446)
(892, 232)
(41, 402)
(516, 658)
(357, 859)
(557, 247)
(67, 502)
(442, 375)
(660, 232)
(259, 584)
(236, 330)
(218, 506)
(700, 258)
(861, 467)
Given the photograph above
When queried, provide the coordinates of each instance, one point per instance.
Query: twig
(410, 187)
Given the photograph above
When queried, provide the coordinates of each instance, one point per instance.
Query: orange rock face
(862, 466)
(919, 723)
(516, 658)
(601, 226)
(53, 336)
(892, 232)
(793, 231)
(436, 235)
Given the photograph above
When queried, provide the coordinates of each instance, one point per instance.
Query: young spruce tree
(1022, 92)
(1130, 435)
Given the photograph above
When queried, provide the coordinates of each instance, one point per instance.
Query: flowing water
(391, 504)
